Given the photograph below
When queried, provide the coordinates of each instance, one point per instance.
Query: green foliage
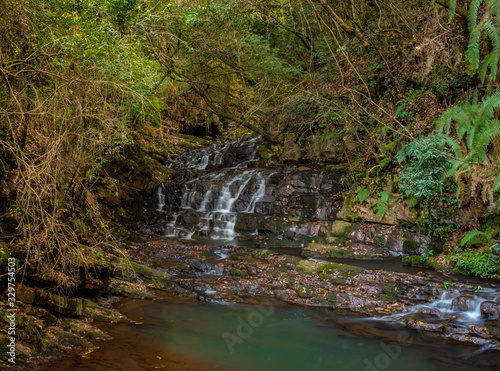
(480, 263)
(363, 193)
(487, 26)
(475, 124)
(426, 163)
(475, 238)
(426, 252)
(381, 204)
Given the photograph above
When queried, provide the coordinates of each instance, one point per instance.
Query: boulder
(490, 310)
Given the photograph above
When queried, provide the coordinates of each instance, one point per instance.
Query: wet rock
(469, 339)
(364, 212)
(490, 310)
(420, 325)
(23, 349)
(393, 239)
(463, 303)
(25, 294)
(340, 228)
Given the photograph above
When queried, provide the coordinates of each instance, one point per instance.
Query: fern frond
(472, 52)
(496, 185)
(483, 68)
(474, 238)
(473, 8)
(454, 146)
(494, 6)
(452, 5)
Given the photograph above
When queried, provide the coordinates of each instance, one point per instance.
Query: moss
(261, 253)
(334, 280)
(306, 266)
(309, 206)
(69, 339)
(331, 298)
(318, 249)
(292, 259)
(340, 228)
(415, 260)
(388, 298)
(418, 261)
(392, 288)
(283, 243)
(495, 331)
(306, 175)
(349, 270)
(239, 272)
(410, 246)
(305, 292)
(326, 267)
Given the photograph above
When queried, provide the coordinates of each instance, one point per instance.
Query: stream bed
(187, 335)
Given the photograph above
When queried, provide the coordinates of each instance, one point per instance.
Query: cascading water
(161, 199)
(211, 201)
(461, 306)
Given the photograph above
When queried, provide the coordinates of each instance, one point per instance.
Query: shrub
(480, 263)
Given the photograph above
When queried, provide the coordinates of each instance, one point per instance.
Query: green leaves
(488, 26)
(381, 204)
(427, 161)
(475, 238)
(363, 193)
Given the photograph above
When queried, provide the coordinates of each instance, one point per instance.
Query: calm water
(213, 336)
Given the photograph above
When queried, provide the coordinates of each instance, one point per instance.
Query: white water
(208, 201)
(161, 200)
(448, 305)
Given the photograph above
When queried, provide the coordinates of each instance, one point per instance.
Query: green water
(211, 336)
(252, 338)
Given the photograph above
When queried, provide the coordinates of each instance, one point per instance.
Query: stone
(490, 310)
(340, 228)
(25, 293)
(462, 303)
(398, 211)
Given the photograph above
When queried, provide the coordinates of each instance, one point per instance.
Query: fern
(488, 27)
(475, 238)
(452, 5)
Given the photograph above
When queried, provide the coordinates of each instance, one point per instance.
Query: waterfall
(259, 194)
(161, 200)
(210, 199)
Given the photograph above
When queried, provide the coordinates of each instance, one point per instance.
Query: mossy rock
(345, 270)
(309, 206)
(67, 338)
(99, 313)
(319, 249)
(306, 266)
(86, 330)
(410, 246)
(289, 259)
(25, 293)
(414, 260)
(393, 288)
(388, 298)
(331, 298)
(340, 228)
(275, 242)
(419, 261)
(239, 272)
(261, 253)
(326, 267)
(305, 292)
